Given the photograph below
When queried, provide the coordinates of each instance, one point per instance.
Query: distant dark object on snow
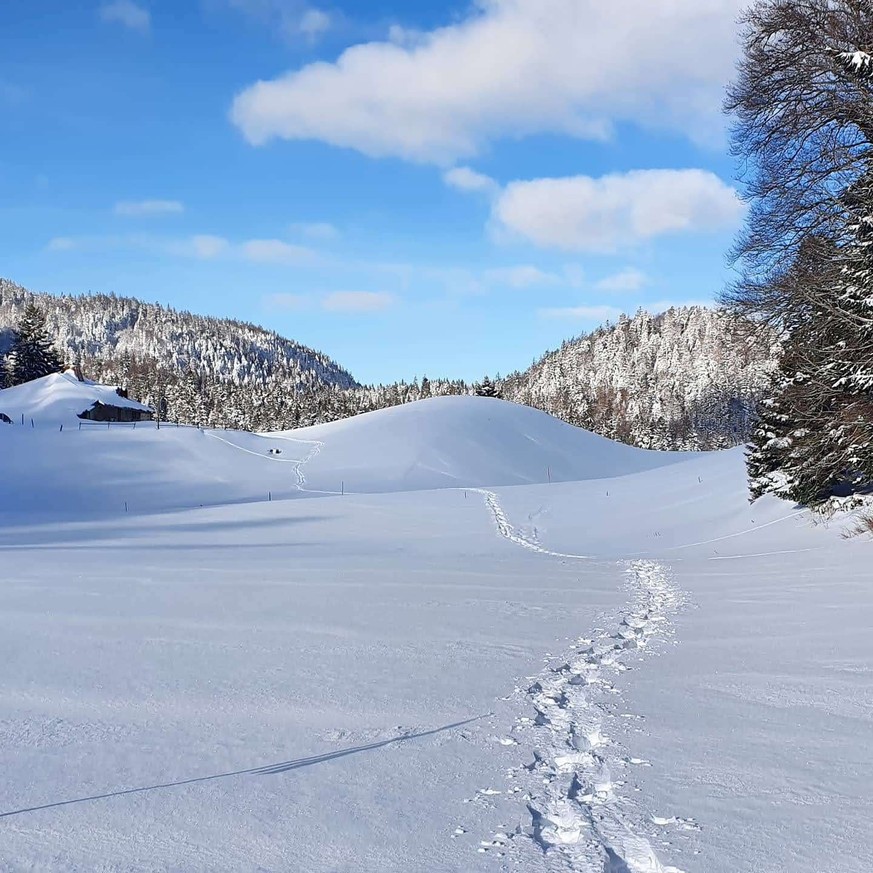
(274, 452)
(5, 419)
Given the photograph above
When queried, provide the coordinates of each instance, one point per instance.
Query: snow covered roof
(60, 398)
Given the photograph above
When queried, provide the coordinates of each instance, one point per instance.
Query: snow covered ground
(212, 661)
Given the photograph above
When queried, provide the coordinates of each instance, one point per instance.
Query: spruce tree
(33, 353)
(486, 388)
(767, 452)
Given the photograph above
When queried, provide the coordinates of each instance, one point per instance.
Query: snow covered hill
(438, 443)
(634, 672)
(464, 441)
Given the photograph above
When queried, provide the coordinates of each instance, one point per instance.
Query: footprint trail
(579, 815)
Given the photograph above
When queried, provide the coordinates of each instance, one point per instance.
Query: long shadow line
(270, 769)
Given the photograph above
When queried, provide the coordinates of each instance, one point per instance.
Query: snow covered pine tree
(486, 388)
(33, 354)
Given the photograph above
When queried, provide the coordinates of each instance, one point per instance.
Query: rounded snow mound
(462, 441)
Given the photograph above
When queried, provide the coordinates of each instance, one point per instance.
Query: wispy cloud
(467, 179)
(275, 251)
(630, 279)
(357, 301)
(148, 208)
(314, 22)
(203, 246)
(289, 302)
(522, 276)
(315, 230)
(128, 14)
(61, 244)
(292, 19)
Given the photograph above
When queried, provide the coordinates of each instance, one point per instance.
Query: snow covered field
(456, 665)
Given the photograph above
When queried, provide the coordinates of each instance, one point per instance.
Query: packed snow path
(579, 817)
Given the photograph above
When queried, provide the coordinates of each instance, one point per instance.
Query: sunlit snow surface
(628, 669)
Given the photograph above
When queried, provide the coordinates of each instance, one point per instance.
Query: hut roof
(60, 398)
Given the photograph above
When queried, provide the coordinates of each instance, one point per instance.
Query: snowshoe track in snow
(579, 817)
(511, 533)
(315, 448)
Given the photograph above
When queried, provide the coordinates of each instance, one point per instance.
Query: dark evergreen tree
(33, 353)
(487, 388)
(4, 373)
(770, 443)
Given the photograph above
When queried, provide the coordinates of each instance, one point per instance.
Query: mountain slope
(188, 362)
(686, 379)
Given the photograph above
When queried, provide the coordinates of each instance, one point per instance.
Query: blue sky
(426, 187)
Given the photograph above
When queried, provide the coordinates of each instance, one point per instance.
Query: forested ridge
(686, 379)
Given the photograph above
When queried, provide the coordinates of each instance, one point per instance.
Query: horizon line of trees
(687, 379)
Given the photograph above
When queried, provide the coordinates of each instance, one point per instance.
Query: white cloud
(135, 208)
(317, 230)
(522, 276)
(627, 280)
(314, 22)
(511, 68)
(582, 313)
(580, 213)
(465, 179)
(275, 251)
(357, 301)
(128, 14)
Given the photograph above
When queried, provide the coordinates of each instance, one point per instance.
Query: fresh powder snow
(456, 635)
